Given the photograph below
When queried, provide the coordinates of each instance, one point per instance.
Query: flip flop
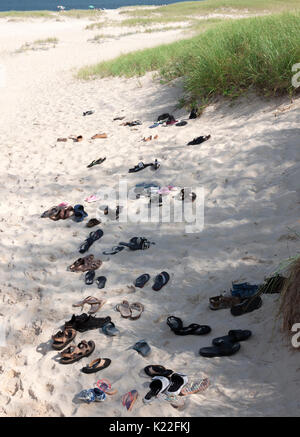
(174, 323)
(136, 309)
(75, 353)
(224, 350)
(177, 382)
(160, 281)
(85, 264)
(88, 113)
(142, 347)
(193, 329)
(157, 370)
(92, 198)
(89, 277)
(113, 251)
(124, 309)
(62, 338)
(199, 140)
(96, 162)
(234, 336)
(96, 365)
(140, 166)
(129, 399)
(91, 300)
(101, 281)
(94, 236)
(195, 387)
(105, 386)
(103, 135)
(158, 385)
(142, 280)
(181, 123)
(110, 329)
(93, 222)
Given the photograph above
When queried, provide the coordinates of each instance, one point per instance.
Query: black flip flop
(181, 123)
(174, 323)
(224, 350)
(234, 336)
(142, 280)
(113, 251)
(101, 281)
(96, 162)
(161, 280)
(193, 329)
(88, 113)
(94, 236)
(157, 370)
(199, 140)
(94, 367)
(89, 277)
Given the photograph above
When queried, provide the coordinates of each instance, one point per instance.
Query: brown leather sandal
(220, 302)
(75, 353)
(62, 338)
(85, 264)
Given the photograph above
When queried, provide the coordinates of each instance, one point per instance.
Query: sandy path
(250, 171)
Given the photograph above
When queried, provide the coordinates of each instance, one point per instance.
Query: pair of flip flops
(171, 386)
(141, 166)
(176, 325)
(130, 311)
(96, 162)
(75, 353)
(226, 345)
(194, 387)
(60, 212)
(199, 140)
(137, 243)
(96, 365)
(159, 281)
(95, 304)
(84, 264)
(93, 236)
(62, 338)
(90, 276)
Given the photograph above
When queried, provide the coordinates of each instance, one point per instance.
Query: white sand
(250, 171)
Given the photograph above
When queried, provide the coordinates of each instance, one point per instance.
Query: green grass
(230, 58)
(208, 6)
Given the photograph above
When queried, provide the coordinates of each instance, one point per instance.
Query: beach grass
(228, 59)
(217, 6)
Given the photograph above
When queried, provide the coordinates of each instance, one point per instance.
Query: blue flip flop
(142, 280)
(110, 329)
(142, 347)
(79, 213)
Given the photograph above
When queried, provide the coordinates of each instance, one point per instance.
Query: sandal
(225, 349)
(158, 385)
(124, 309)
(93, 222)
(105, 386)
(195, 387)
(99, 136)
(92, 395)
(137, 309)
(62, 338)
(129, 399)
(220, 302)
(96, 162)
(234, 336)
(85, 264)
(137, 243)
(160, 281)
(101, 281)
(142, 280)
(157, 370)
(75, 353)
(96, 365)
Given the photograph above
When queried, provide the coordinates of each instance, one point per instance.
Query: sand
(250, 172)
